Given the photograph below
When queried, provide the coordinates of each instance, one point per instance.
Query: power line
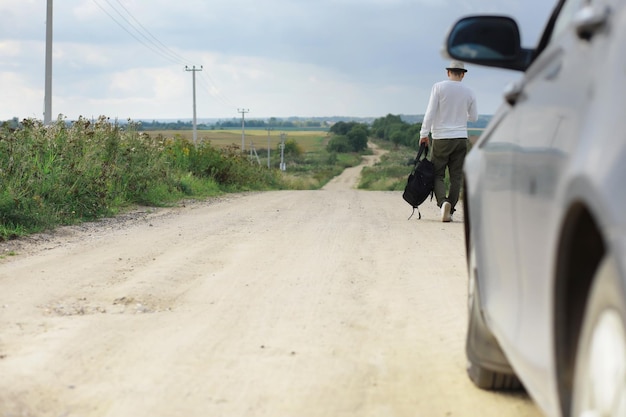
(144, 43)
(163, 50)
(214, 91)
(140, 33)
(163, 46)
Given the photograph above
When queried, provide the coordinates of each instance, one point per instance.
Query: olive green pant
(450, 154)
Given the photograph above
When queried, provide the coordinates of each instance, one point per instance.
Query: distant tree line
(139, 126)
(12, 124)
(348, 137)
(399, 129)
(234, 124)
(273, 122)
(177, 125)
(352, 136)
(393, 129)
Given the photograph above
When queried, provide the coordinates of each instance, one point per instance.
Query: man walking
(450, 107)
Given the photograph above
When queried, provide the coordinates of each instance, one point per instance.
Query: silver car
(545, 211)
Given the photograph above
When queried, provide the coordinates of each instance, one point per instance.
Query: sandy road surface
(278, 304)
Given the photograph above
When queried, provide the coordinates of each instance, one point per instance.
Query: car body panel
(493, 167)
(555, 95)
(558, 144)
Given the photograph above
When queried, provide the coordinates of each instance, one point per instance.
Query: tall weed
(63, 173)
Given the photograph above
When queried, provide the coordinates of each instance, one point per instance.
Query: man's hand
(424, 140)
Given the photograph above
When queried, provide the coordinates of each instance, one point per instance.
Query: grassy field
(310, 141)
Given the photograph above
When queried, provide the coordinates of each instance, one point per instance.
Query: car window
(566, 16)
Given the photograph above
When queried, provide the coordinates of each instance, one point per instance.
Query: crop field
(310, 141)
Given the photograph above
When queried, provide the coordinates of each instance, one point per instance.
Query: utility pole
(193, 73)
(282, 152)
(268, 147)
(243, 127)
(47, 112)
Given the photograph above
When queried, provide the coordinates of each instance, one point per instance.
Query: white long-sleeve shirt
(450, 107)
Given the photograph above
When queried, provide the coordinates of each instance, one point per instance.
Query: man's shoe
(446, 209)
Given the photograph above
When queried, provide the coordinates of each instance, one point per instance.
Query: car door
(552, 102)
(493, 225)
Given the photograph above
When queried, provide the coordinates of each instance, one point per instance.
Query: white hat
(457, 65)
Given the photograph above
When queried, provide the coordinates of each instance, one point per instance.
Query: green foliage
(273, 122)
(397, 138)
(342, 128)
(11, 124)
(178, 125)
(70, 172)
(348, 137)
(391, 172)
(315, 169)
(357, 137)
(293, 148)
(62, 173)
(339, 143)
(392, 128)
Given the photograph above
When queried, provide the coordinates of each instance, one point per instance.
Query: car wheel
(600, 370)
(487, 366)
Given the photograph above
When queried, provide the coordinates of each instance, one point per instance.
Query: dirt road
(278, 304)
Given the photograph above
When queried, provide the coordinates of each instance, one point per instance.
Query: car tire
(600, 370)
(487, 365)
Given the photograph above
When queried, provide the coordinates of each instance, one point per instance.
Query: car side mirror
(492, 41)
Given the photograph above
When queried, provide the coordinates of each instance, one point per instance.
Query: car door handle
(513, 92)
(589, 20)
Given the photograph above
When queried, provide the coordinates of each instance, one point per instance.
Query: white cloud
(19, 98)
(10, 50)
(87, 10)
(278, 57)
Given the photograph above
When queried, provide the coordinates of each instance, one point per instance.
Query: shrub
(63, 173)
(339, 143)
(357, 137)
(293, 148)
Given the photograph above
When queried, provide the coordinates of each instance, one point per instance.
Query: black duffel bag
(421, 181)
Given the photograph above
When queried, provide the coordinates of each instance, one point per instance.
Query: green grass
(313, 170)
(391, 172)
(64, 174)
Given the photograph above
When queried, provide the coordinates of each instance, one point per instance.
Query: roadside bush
(391, 172)
(64, 173)
(357, 137)
(315, 169)
(293, 148)
(339, 144)
(392, 128)
(348, 137)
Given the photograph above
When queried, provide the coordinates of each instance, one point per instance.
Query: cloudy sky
(276, 58)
